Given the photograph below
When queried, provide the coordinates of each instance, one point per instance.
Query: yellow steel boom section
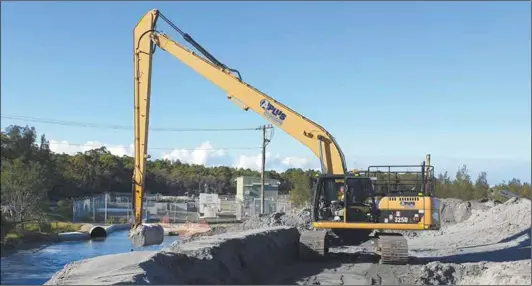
(310, 134)
(142, 53)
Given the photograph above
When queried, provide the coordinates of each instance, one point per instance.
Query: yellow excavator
(381, 198)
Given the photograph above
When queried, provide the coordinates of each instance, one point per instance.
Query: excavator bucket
(146, 234)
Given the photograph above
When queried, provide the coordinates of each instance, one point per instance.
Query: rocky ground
(482, 243)
(479, 243)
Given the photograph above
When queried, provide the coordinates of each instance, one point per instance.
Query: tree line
(33, 176)
(60, 176)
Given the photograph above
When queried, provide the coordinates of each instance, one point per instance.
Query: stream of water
(37, 266)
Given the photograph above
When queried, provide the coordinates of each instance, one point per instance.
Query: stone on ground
(145, 235)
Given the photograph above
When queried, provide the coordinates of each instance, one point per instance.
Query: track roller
(392, 248)
(313, 245)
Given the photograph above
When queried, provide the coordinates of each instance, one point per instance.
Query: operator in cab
(341, 194)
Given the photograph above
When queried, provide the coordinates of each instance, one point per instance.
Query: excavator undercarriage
(392, 248)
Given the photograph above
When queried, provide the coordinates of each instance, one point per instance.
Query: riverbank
(35, 267)
(34, 236)
(32, 239)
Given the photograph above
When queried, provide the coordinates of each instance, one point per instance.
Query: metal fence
(112, 208)
(117, 208)
(252, 206)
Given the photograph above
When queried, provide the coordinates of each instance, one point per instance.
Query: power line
(118, 127)
(154, 148)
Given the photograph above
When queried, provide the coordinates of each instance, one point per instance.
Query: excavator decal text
(272, 112)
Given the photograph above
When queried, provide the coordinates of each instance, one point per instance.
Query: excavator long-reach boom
(146, 39)
(352, 217)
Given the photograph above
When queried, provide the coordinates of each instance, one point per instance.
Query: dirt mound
(299, 219)
(483, 273)
(246, 257)
(491, 246)
(436, 273)
(488, 225)
(505, 273)
(455, 210)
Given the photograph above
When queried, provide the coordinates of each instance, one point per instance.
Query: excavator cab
(379, 199)
(339, 198)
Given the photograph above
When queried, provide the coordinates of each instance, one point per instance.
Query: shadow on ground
(304, 271)
(249, 267)
(521, 251)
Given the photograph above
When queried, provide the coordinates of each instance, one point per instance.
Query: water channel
(35, 267)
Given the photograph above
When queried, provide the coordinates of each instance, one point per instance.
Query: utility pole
(265, 142)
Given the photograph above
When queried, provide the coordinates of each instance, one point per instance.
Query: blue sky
(391, 81)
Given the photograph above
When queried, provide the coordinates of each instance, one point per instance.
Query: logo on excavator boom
(408, 204)
(272, 112)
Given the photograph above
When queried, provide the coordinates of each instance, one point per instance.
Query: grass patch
(52, 227)
(39, 232)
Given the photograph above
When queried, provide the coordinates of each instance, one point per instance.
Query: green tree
(462, 185)
(301, 193)
(481, 185)
(63, 177)
(23, 191)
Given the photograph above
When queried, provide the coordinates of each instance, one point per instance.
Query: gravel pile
(489, 273)
(490, 247)
(299, 219)
(456, 211)
(453, 211)
(435, 273)
(482, 273)
(484, 225)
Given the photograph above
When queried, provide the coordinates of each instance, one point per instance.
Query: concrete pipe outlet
(97, 232)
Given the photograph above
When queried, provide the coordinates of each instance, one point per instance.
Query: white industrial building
(209, 205)
(248, 195)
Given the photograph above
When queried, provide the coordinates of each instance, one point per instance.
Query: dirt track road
(345, 266)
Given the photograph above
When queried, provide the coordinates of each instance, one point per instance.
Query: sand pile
(482, 273)
(491, 246)
(299, 219)
(453, 211)
(246, 257)
(484, 225)
(489, 273)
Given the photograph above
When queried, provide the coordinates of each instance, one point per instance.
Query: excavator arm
(146, 39)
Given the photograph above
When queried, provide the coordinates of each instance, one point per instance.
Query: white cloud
(71, 149)
(205, 154)
(250, 162)
(274, 162)
(298, 162)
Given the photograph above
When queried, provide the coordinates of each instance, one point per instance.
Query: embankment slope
(479, 243)
(230, 258)
(490, 245)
